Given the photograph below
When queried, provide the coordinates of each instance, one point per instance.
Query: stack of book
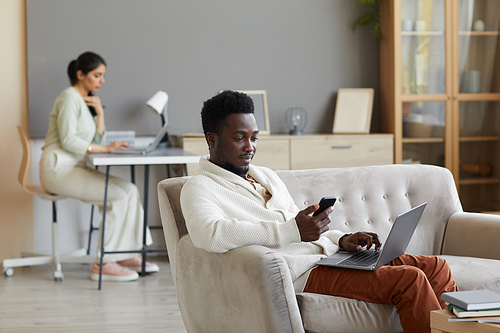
(474, 305)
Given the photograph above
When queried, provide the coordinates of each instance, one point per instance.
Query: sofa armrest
(248, 289)
(472, 235)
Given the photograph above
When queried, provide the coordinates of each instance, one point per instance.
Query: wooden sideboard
(289, 152)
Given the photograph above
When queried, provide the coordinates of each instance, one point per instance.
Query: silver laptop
(395, 245)
(145, 150)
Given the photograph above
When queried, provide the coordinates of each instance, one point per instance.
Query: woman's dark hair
(86, 63)
(216, 109)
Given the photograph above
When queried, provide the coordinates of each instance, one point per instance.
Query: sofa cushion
(475, 273)
(324, 313)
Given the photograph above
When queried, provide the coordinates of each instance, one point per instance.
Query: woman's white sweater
(223, 211)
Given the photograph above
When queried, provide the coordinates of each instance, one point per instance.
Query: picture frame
(261, 112)
(353, 111)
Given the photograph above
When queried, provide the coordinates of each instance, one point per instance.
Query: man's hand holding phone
(311, 227)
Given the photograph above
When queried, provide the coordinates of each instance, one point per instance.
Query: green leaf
(370, 16)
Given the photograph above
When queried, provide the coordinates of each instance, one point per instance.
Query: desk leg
(132, 174)
(185, 170)
(145, 225)
(91, 223)
(103, 224)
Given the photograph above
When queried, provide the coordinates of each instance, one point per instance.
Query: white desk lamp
(158, 104)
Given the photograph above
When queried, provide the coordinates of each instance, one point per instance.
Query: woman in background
(76, 128)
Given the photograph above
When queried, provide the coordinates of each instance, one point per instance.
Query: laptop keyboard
(362, 258)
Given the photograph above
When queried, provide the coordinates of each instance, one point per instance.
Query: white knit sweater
(223, 211)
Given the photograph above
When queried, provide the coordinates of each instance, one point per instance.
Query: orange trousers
(412, 283)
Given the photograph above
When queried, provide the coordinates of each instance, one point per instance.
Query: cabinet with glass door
(440, 90)
(476, 102)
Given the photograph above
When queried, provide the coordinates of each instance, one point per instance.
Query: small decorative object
(407, 25)
(417, 125)
(482, 170)
(478, 25)
(296, 120)
(421, 69)
(353, 111)
(420, 25)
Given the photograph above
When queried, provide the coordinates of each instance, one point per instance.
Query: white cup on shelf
(479, 25)
(407, 25)
(419, 25)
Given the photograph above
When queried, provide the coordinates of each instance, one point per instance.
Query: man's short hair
(216, 109)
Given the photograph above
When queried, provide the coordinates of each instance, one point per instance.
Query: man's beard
(243, 171)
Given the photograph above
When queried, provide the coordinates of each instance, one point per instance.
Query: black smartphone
(324, 203)
(91, 108)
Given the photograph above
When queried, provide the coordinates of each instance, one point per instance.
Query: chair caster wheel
(58, 276)
(9, 271)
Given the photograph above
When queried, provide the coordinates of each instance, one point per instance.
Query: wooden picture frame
(353, 111)
(261, 112)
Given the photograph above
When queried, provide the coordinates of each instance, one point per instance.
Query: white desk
(163, 156)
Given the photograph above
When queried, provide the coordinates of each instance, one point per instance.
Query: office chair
(32, 259)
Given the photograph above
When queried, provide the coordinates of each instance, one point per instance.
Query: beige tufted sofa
(249, 289)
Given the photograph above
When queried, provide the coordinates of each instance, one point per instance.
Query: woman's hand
(117, 145)
(95, 102)
(95, 148)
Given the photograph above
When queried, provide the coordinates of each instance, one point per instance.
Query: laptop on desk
(395, 245)
(145, 150)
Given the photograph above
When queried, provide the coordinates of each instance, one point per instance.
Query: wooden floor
(31, 301)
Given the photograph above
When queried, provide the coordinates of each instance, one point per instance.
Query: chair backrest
(370, 198)
(24, 167)
(174, 225)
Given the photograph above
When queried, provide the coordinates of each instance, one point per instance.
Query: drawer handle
(342, 147)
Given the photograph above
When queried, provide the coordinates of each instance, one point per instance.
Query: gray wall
(300, 51)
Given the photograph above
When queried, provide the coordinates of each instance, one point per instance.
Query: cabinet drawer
(341, 151)
(273, 154)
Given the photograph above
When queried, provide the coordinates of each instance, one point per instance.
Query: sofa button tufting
(385, 196)
(390, 219)
(306, 203)
(407, 194)
(363, 198)
(340, 199)
(369, 222)
(347, 223)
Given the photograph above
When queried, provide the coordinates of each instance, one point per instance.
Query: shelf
(406, 98)
(479, 138)
(479, 181)
(479, 97)
(423, 140)
(422, 33)
(478, 33)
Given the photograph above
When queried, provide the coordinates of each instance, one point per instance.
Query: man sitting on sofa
(231, 203)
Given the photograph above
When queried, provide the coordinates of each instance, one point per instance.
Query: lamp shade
(158, 102)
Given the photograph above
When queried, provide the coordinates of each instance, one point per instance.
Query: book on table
(473, 299)
(462, 313)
